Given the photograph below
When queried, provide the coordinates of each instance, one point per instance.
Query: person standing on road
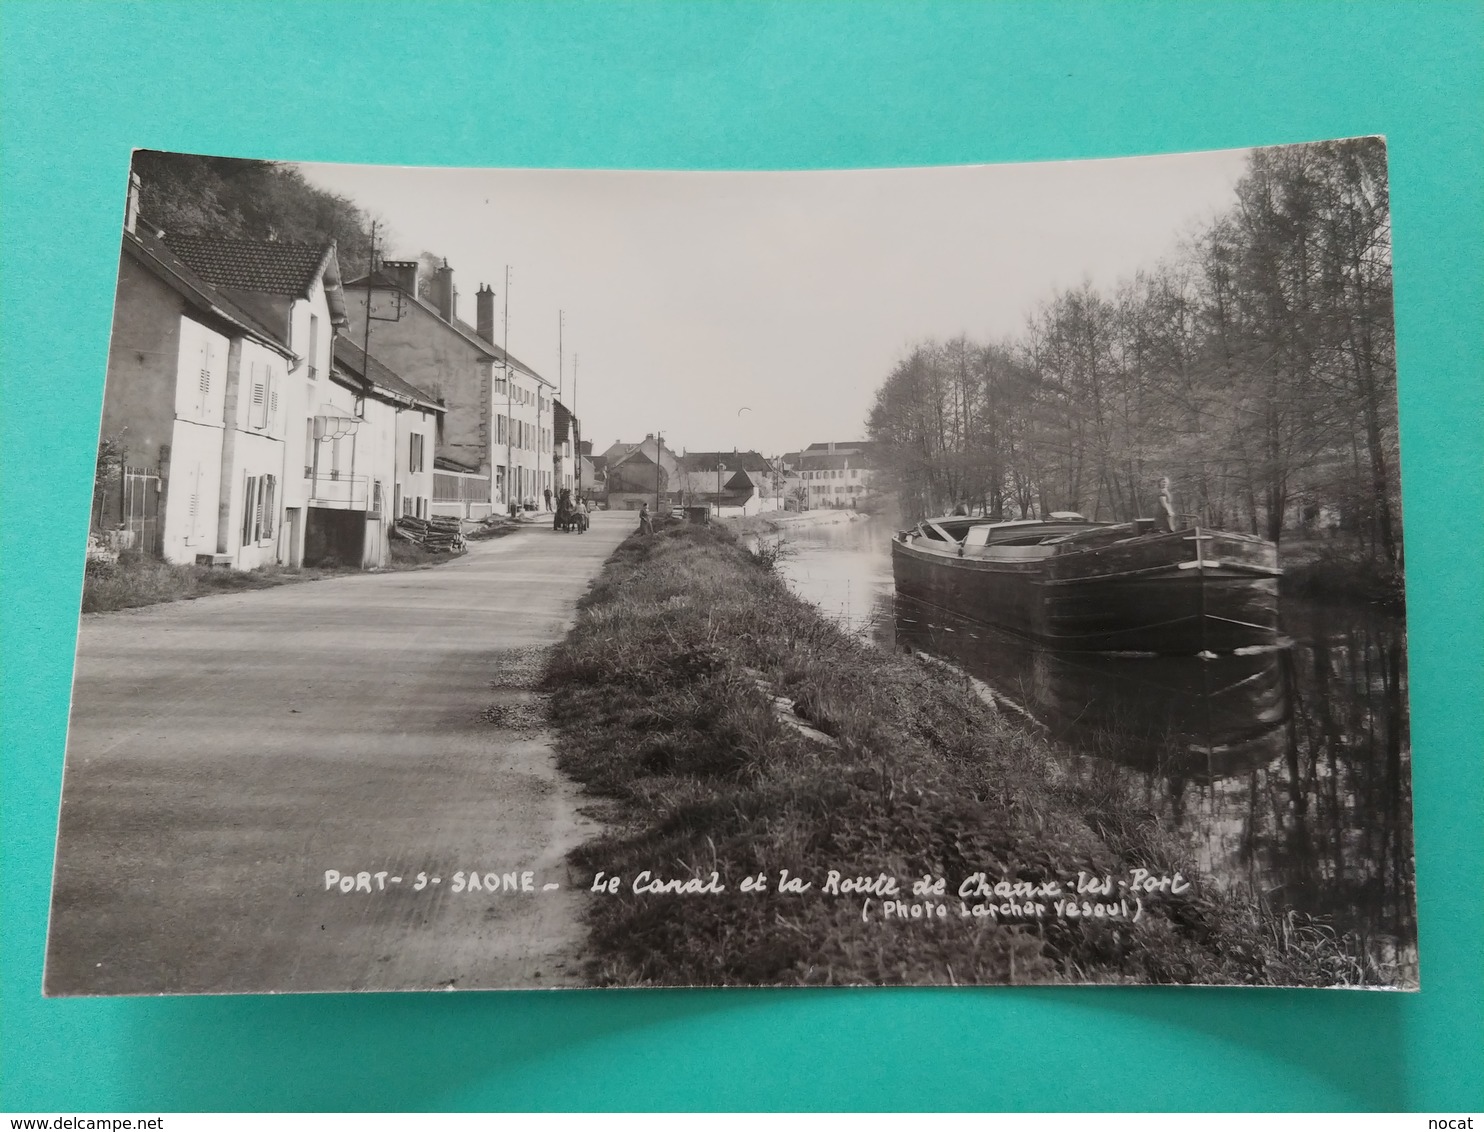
(646, 524)
(548, 498)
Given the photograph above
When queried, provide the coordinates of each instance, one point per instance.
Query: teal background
(731, 85)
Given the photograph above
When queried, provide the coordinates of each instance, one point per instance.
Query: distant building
(647, 472)
(834, 473)
(566, 442)
(731, 483)
(497, 425)
(592, 472)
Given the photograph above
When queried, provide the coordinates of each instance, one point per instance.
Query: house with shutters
(293, 291)
(392, 444)
(836, 473)
(495, 447)
(195, 414)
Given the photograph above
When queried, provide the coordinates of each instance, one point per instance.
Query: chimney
(443, 292)
(484, 312)
(402, 272)
(131, 209)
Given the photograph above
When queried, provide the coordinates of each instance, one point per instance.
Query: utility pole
(578, 454)
(556, 452)
(659, 444)
(509, 405)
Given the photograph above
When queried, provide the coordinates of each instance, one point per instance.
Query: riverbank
(1340, 570)
(774, 521)
(731, 729)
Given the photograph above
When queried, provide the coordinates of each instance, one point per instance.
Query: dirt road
(225, 753)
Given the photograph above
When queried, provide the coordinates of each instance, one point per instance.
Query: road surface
(225, 753)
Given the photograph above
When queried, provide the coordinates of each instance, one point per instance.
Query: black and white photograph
(534, 578)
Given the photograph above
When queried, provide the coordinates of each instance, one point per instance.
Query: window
(313, 346)
(415, 453)
(310, 447)
(335, 458)
(376, 499)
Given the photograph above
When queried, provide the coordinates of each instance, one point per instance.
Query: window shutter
(203, 381)
(272, 379)
(249, 496)
(194, 507)
(259, 398)
(270, 505)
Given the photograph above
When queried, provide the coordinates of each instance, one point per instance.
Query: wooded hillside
(255, 200)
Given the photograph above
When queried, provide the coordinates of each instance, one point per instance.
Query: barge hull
(1141, 597)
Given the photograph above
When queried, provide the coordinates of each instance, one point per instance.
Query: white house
(836, 474)
(194, 412)
(294, 291)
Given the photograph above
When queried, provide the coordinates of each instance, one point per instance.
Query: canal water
(1287, 772)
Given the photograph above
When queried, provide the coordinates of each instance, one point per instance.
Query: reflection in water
(1288, 772)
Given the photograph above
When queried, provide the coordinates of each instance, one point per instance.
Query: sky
(763, 310)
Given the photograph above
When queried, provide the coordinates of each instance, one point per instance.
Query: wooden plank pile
(438, 532)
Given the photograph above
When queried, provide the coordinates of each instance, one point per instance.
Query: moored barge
(1085, 586)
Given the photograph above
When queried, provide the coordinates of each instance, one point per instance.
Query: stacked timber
(439, 532)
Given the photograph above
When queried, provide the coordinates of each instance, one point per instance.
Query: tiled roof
(352, 357)
(651, 450)
(273, 267)
(197, 291)
(733, 461)
(859, 453)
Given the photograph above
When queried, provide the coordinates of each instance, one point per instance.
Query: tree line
(1256, 370)
(240, 198)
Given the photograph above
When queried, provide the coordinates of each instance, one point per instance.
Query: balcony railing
(337, 489)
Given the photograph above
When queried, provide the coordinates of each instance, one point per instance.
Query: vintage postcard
(539, 578)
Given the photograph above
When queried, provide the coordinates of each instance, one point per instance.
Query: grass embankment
(657, 698)
(136, 580)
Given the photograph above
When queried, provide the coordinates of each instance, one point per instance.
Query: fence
(460, 487)
(126, 509)
(460, 495)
